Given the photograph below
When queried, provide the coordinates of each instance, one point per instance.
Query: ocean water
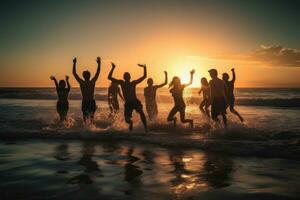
(34, 109)
(42, 159)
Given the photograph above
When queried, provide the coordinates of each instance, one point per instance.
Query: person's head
(225, 76)
(213, 73)
(175, 82)
(204, 81)
(126, 76)
(86, 75)
(62, 84)
(150, 81)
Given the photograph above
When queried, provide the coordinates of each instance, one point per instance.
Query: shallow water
(109, 170)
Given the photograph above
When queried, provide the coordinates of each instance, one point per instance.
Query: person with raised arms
(177, 92)
(150, 96)
(218, 97)
(230, 93)
(87, 87)
(129, 92)
(62, 91)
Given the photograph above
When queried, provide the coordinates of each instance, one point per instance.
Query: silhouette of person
(218, 97)
(112, 97)
(205, 90)
(129, 92)
(150, 96)
(87, 87)
(62, 105)
(177, 93)
(230, 93)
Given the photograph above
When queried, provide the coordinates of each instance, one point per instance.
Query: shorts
(218, 106)
(130, 106)
(62, 106)
(88, 107)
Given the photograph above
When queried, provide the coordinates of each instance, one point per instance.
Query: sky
(259, 38)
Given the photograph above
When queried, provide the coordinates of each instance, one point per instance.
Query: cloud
(276, 56)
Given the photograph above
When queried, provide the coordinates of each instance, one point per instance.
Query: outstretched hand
(67, 77)
(75, 60)
(141, 65)
(192, 72)
(232, 69)
(166, 73)
(52, 78)
(113, 65)
(98, 60)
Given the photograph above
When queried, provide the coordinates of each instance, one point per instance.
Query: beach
(41, 159)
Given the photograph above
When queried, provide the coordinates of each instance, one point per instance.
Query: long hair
(171, 84)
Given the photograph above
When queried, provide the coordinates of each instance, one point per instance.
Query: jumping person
(112, 97)
(230, 93)
(177, 93)
(205, 90)
(218, 97)
(62, 105)
(129, 93)
(87, 87)
(150, 96)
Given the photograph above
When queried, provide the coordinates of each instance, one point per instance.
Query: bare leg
(236, 113)
(207, 111)
(224, 119)
(202, 104)
(184, 120)
(143, 118)
(129, 121)
(171, 115)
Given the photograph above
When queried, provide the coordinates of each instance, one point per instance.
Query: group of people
(217, 94)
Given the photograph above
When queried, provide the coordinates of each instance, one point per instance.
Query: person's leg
(92, 111)
(214, 112)
(149, 111)
(224, 119)
(84, 111)
(61, 115)
(171, 115)
(207, 108)
(201, 107)
(143, 119)
(155, 111)
(236, 112)
(139, 109)
(183, 119)
(128, 115)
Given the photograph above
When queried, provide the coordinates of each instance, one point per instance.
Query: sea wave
(192, 98)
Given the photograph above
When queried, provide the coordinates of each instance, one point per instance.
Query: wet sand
(68, 169)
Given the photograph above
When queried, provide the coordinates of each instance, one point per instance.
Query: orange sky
(172, 37)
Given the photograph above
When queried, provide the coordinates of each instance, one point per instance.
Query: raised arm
(166, 81)
(144, 75)
(113, 66)
(74, 71)
(98, 60)
(68, 84)
(55, 81)
(233, 75)
(191, 79)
